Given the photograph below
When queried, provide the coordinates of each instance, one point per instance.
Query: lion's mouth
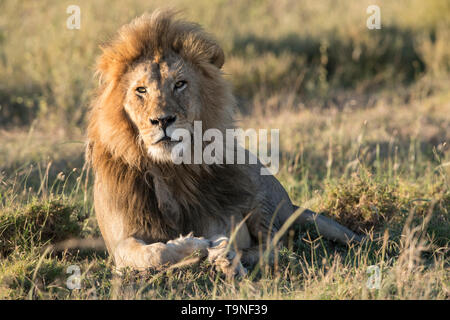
(165, 139)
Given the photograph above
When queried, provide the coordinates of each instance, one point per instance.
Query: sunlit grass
(364, 120)
(405, 215)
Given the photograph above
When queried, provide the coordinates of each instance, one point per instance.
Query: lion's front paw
(225, 260)
(189, 244)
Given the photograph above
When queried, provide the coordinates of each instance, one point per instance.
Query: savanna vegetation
(364, 119)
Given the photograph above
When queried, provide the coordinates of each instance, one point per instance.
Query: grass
(304, 48)
(405, 213)
(364, 118)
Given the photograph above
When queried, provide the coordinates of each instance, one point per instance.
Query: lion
(157, 75)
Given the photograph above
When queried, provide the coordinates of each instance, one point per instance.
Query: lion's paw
(190, 244)
(226, 260)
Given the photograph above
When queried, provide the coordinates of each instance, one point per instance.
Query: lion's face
(162, 96)
(156, 76)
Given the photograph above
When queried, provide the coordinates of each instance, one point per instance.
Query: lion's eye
(180, 85)
(141, 89)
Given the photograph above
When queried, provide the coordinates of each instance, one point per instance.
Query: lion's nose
(163, 122)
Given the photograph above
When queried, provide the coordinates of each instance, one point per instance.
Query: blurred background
(310, 51)
(364, 115)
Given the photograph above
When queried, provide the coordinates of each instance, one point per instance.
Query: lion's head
(158, 74)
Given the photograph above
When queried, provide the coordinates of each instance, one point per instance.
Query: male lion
(157, 75)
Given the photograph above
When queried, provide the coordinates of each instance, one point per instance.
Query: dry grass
(307, 48)
(363, 119)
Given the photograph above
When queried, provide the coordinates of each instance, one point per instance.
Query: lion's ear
(217, 57)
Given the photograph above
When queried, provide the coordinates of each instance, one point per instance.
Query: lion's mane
(121, 164)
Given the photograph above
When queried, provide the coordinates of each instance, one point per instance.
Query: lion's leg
(263, 230)
(132, 252)
(326, 227)
(253, 255)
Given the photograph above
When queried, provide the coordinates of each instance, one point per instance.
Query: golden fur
(142, 201)
(126, 172)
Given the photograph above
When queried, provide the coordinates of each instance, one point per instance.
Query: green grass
(364, 118)
(399, 198)
(307, 48)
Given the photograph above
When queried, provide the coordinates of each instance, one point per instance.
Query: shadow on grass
(381, 57)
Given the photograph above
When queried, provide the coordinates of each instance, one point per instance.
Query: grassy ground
(364, 120)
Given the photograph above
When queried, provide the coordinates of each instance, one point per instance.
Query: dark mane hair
(120, 162)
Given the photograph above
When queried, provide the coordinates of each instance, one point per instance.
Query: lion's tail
(327, 227)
